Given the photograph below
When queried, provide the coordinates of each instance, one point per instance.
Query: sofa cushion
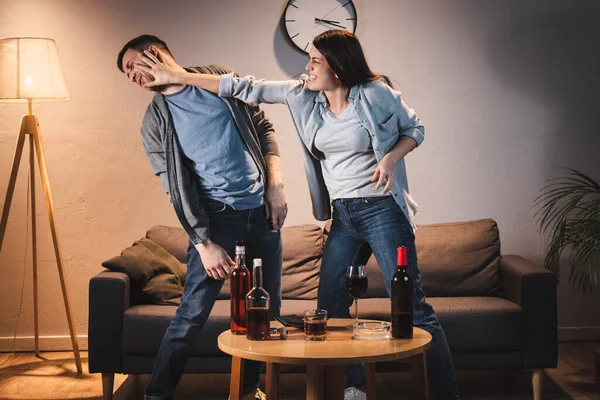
(460, 258)
(145, 325)
(480, 323)
(470, 323)
(173, 239)
(155, 274)
(455, 259)
(302, 250)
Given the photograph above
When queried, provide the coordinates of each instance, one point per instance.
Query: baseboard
(578, 333)
(47, 343)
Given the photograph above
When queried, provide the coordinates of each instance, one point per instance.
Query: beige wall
(507, 91)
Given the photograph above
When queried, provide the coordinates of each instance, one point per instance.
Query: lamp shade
(30, 69)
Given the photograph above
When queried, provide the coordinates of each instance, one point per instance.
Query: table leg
(315, 380)
(273, 381)
(237, 374)
(334, 382)
(371, 382)
(419, 367)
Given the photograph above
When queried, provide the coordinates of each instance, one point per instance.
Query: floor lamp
(30, 70)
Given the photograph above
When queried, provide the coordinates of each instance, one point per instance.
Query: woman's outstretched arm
(166, 71)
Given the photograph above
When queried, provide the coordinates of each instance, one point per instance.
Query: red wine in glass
(356, 284)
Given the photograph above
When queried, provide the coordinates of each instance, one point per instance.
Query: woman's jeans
(200, 292)
(379, 223)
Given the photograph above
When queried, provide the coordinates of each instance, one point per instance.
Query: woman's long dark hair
(345, 55)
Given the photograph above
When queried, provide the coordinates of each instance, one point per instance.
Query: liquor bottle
(402, 299)
(257, 307)
(240, 286)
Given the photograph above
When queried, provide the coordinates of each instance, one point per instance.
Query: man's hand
(384, 174)
(161, 67)
(276, 205)
(215, 259)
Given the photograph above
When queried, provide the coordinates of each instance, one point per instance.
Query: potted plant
(569, 214)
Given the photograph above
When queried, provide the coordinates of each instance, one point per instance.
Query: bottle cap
(258, 262)
(240, 247)
(401, 256)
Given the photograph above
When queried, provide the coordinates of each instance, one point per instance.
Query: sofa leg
(537, 380)
(108, 381)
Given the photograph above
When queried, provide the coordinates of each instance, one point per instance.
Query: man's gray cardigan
(167, 159)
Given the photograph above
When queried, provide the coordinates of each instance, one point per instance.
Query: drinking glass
(315, 324)
(356, 284)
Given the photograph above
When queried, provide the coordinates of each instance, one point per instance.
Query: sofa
(498, 311)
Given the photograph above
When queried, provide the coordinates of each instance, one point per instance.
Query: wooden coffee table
(325, 360)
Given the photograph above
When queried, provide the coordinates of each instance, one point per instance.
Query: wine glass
(356, 284)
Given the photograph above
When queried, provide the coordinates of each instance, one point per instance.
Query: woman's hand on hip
(384, 174)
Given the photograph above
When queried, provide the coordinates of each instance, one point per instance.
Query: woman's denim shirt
(379, 108)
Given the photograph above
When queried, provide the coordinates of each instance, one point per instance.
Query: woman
(355, 130)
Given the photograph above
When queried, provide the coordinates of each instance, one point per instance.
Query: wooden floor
(23, 376)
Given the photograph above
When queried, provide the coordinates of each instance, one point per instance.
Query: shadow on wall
(289, 58)
(550, 53)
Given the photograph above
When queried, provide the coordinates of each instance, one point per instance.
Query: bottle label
(402, 325)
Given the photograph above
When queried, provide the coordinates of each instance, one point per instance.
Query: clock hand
(327, 20)
(330, 23)
(335, 8)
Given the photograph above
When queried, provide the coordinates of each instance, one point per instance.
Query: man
(218, 161)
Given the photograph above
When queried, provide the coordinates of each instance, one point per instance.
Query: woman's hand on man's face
(160, 67)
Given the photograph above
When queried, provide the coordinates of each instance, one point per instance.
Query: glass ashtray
(371, 330)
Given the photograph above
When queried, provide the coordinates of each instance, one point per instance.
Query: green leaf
(568, 213)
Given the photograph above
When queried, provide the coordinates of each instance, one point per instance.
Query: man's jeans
(200, 292)
(378, 225)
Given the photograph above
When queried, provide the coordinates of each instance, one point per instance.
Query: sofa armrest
(108, 300)
(533, 287)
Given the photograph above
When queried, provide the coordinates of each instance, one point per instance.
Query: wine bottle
(240, 286)
(402, 299)
(258, 321)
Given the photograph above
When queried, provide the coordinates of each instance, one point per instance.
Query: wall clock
(305, 19)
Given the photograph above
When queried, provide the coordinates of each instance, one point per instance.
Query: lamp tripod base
(30, 127)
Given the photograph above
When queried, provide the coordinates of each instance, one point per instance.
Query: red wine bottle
(258, 320)
(240, 286)
(402, 299)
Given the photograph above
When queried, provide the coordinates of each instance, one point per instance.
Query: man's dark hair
(140, 44)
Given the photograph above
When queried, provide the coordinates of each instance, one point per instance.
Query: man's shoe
(352, 393)
(258, 395)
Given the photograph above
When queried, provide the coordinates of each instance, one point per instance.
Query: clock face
(305, 19)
